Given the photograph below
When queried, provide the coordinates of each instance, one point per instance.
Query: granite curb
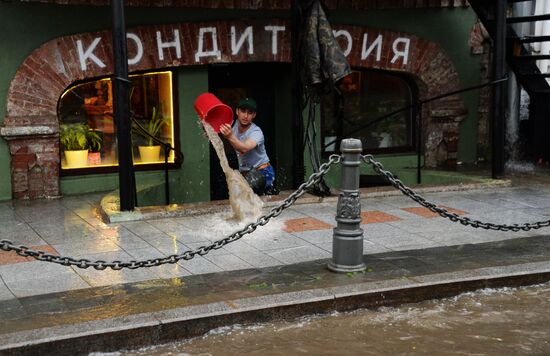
(165, 326)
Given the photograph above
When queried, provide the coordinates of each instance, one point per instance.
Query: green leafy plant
(150, 127)
(75, 137)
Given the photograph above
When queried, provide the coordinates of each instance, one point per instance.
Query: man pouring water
(247, 139)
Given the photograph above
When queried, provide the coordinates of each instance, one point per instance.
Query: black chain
(100, 265)
(379, 168)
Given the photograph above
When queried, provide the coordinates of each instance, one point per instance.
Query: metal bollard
(347, 238)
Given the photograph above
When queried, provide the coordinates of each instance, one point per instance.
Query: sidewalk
(402, 241)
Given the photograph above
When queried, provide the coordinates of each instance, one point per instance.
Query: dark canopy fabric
(323, 61)
(322, 64)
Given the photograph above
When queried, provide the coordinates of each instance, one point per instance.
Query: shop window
(87, 123)
(355, 110)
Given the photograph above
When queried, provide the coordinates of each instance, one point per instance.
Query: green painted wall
(194, 182)
(283, 129)
(25, 26)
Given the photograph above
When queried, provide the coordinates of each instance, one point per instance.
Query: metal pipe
(418, 115)
(121, 109)
(347, 238)
(499, 64)
(298, 167)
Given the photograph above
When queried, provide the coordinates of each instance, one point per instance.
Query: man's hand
(225, 130)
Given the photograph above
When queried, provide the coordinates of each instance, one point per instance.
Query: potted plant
(149, 129)
(76, 140)
(94, 152)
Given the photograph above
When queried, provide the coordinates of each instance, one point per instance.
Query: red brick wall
(50, 69)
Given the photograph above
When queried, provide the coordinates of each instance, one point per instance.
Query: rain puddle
(244, 203)
(504, 321)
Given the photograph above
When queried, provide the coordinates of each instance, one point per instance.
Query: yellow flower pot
(149, 154)
(76, 159)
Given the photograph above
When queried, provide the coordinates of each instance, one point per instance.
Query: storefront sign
(234, 42)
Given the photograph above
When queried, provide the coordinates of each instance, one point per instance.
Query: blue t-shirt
(256, 156)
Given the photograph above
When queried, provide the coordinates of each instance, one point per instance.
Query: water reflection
(489, 322)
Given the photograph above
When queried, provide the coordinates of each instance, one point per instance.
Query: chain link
(394, 181)
(101, 265)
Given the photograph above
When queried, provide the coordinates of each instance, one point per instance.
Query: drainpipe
(512, 119)
(121, 109)
(545, 46)
(298, 168)
(499, 64)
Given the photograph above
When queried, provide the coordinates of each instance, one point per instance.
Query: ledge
(18, 132)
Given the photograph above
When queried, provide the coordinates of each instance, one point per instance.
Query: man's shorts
(269, 174)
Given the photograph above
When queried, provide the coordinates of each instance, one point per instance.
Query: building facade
(56, 76)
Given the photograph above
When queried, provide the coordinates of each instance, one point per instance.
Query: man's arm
(242, 147)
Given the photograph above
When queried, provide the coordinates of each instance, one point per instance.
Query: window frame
(137, 167)
(412, 148)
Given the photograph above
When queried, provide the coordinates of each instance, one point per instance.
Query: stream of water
(244, 203)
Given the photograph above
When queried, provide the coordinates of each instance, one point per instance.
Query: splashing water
(244, 203)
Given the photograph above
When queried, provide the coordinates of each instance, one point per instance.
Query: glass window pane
(358, 108)
(87, 124)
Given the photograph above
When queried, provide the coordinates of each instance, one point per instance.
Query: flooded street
(488, 322)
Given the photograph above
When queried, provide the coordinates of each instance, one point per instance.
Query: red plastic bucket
(213, 111)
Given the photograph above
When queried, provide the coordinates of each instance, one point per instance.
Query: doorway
(230, 83)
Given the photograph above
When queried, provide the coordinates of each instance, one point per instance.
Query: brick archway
(31, 126)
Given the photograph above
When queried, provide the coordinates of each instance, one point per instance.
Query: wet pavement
(279, 269)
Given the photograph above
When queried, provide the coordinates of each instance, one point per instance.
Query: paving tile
(393, 241)
(376, 204)
(213, 252)
(22, 229)
(130, 242)
(375, 216)
(372, 248)
(258, 259)
(85, 247)
(165, 225)
(33, 270)
(299, 254)
(427, 213)
(62, 233)
(452, 238)
(239, 247)
(109, 277)
(280, 241)
(169, 270)
(5, 293)
(7, 258)
(228, 262)
(292, 213)
(318, 237)
(45, 285)
(166, 244)
(383, 229)
(419, 225)
(305, 224)
(12, 257)
(200, 265)
(187, 236)
(141, 228)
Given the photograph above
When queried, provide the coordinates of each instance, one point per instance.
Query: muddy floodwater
(488, 322)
